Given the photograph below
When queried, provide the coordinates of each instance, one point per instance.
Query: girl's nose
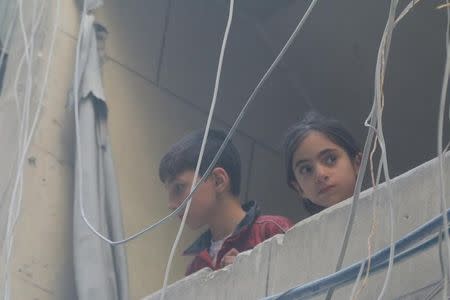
(321, 174)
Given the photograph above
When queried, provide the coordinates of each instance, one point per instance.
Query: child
(216, 203)
(322, 161)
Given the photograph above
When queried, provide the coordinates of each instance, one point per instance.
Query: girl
(322, 161)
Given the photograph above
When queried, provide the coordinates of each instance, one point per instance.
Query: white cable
(18, 182)
(391, 210)
(33, 127)
(200, 158)
(2, 58)
(379, 82)
(374, 127)
(357, 191)
(379, 90)
(406, 10)
(442, 181)
(356, 284)
(28, 60)
(27, 133)
(355, 291)
(392, 22)
(7, 246)
(230, 134)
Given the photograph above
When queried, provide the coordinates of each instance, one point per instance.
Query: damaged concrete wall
(41, 263)
(158, 88)
(310, 249)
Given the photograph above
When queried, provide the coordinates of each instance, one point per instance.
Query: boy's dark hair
(183, 156)
(313, 121)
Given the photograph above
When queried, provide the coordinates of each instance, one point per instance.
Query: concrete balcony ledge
(309, 250)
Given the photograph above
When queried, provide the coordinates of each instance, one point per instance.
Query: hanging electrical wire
(375, 127)
(440, 152)
(230, 134)
(202, 149)
(23, 104)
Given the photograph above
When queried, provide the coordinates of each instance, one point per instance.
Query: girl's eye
(305, 170)
(330, 159)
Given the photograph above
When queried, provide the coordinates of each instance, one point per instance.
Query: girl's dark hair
(313, 121)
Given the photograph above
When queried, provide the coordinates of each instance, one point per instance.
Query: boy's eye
(178, 188)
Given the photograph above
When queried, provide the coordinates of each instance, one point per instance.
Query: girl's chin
(327, 202)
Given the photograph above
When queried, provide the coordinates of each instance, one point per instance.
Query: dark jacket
(251, 231)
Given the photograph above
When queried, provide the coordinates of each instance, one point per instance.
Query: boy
(232, 228)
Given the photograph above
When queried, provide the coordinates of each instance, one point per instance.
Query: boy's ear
(221, 179)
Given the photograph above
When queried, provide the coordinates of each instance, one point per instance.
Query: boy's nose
(173, 204)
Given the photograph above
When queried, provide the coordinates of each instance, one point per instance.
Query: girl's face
(324, 173)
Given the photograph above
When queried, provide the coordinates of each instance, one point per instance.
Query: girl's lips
(326, 189)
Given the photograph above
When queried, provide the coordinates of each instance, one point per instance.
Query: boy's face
(324, 172)
(203, 200)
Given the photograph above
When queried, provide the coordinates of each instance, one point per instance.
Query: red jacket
(251, 231)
